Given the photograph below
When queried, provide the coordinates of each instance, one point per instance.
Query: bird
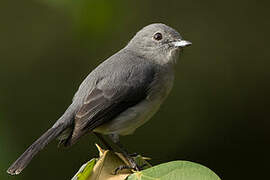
(119, 95)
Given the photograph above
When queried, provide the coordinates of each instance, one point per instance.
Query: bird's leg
(104, 142)
(116, 141)
(133, 165)
(131, 161)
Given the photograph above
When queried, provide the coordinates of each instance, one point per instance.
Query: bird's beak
(181, 43)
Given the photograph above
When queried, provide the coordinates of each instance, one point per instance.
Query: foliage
(175, 170)
(103, 168)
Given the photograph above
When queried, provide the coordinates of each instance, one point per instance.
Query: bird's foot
(120, 168)
(133, 167)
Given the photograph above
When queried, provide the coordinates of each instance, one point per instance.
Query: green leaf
(175, 170)
(85, 170)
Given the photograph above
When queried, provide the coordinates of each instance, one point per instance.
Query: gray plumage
(120, 95)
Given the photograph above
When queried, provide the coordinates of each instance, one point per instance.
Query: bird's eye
(158, 36)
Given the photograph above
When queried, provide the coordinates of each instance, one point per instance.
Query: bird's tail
(38, 145)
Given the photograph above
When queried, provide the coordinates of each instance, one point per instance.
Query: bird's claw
(134, 167)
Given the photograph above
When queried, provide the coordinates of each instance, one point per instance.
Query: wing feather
(112, 95)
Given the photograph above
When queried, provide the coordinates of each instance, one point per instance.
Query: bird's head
(158, 42)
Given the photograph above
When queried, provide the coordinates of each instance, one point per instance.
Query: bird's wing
(112, 95)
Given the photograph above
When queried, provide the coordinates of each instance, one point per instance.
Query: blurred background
(217, 113)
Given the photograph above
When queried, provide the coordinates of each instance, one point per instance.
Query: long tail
(38, 145)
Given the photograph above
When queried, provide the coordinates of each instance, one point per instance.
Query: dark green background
(216, 115)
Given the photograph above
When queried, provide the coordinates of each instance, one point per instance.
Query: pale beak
(181, 43)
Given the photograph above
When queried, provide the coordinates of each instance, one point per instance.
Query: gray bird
(118, 96)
